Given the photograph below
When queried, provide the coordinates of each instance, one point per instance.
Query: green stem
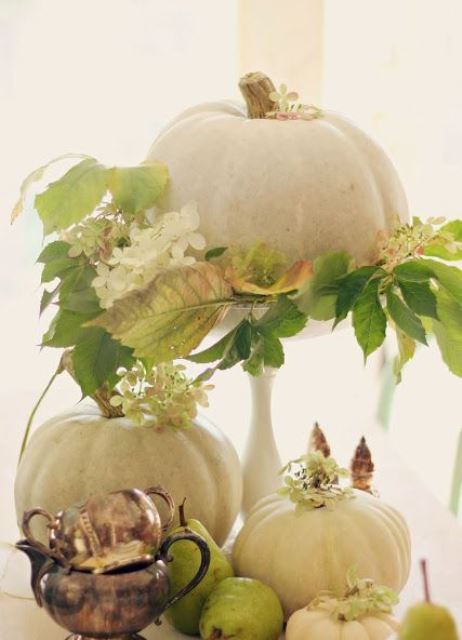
(35, 409)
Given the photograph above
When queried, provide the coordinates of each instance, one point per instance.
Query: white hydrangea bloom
(150, 250)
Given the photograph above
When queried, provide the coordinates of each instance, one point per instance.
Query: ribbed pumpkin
(301, 553)
(306, 624)
(305, 187)
(80, 453)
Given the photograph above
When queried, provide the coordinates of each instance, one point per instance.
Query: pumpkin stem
(362, 467)
(426, 582)
(101, 396)
(318, 441)
(256, 88)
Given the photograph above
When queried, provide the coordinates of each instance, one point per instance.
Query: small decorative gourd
(362, 613)
(302, 540)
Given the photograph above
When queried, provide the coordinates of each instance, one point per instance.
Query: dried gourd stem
(101, 396)
(362, 468)
(256, 88)
(426, 582)
(318, 441)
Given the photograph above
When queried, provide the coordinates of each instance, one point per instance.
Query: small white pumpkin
(313, 624)
(306, 548)
(80, 453)
(303, 187)
(363, 612)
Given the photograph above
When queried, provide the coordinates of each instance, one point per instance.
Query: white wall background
(101, 77)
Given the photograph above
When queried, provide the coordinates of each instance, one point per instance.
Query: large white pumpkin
(304, 187)
(303, 553)
(80, 453)
(309, 624)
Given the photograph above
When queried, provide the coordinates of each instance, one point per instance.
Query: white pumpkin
(80, 453)
(301, 553)
(312, 624)
(303, 187)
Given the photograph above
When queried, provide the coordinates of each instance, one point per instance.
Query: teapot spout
(40, 563)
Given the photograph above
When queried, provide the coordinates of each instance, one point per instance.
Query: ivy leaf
(448, 331)
(172, 314)
(216, 351)
(283, 319)
(136, 188)
(48, 297)
(96, 360)
(406, 347)
(36, 176)
(65, 329)
(58, 250)
(215, 253)
(240, 348)
(318, 299)
(291, 280)
(419, 297)
(405, 318)
(369, 320)
(350, 289)
(66, 201)
(273, 352)
(76, 292)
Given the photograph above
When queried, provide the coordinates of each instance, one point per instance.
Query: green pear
(428, 621)
(242, 609)
(185, 614)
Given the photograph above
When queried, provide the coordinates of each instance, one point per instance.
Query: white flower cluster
(150, 249)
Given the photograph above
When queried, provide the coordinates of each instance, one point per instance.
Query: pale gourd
(313, 624)
(305, 187)
(80, 453)
(301, 553)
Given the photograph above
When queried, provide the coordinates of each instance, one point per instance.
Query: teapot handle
(167, 498)
(51, 553)
(204, 565)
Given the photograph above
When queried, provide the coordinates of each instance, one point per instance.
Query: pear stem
(183, 521)
(423, 566)
(216, 634)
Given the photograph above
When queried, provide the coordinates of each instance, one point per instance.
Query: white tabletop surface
(436, 536)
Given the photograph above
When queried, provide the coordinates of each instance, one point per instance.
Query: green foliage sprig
(361, 598)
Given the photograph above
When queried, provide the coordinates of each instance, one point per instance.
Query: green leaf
(35, 176)
(169, 318)
(449, 277)
(448, 331)
(283, 319)
(350, 289)
(48, 297)
(216, 351)
(405, 318)
(65, 329)
(57, 269)
(369, 320)
(419, 297)
(455, 229)
(273, 353)
(318, 300)
(136, 188)
(69, 199)
(414, 271)
(96, 359)
(57, 250)
(76, 292)
(255, 363)
(240, 348)
(406, 346)
(215, 253)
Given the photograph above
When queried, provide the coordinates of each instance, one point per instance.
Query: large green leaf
(449, 277)
(170, 317)
(96, 359)
(136, 188)
(406, 347)
(350, 289)
(369, 320)
(414, 271)
(57, 250)
(319, 297)
(65, 329)
(67, 200)
(405, 318)
(448, 331)
(419, 297)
